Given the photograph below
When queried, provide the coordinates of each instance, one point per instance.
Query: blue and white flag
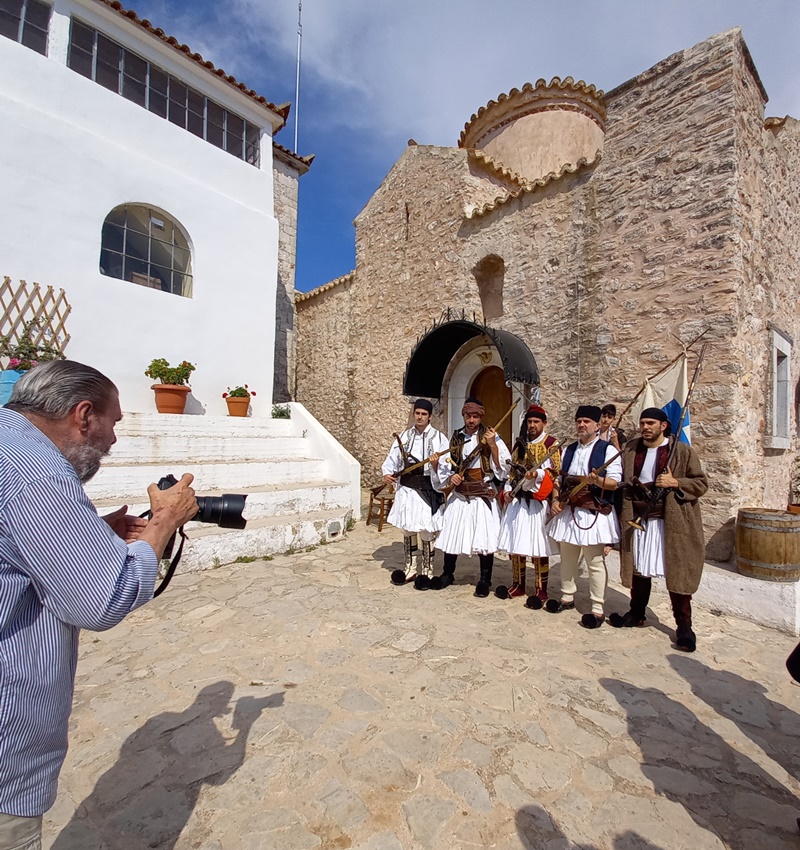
(668, 390)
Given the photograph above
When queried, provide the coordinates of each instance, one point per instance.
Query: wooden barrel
(768, 544)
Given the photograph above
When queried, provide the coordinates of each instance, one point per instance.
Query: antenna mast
(297, 77)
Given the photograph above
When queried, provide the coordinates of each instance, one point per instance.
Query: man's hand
(171, 509)
(668, 481)
(125, 525)
(389, 479)
(556, 508)
(490, 436)
(434, 461)
(456, 480)
(177, 504)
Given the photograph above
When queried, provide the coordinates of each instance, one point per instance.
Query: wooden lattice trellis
(23, 302)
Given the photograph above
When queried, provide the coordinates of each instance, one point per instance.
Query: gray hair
(53, 389)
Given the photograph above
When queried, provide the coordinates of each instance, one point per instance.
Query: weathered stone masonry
(685, 220)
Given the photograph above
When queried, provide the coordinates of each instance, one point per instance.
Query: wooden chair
(380, 503)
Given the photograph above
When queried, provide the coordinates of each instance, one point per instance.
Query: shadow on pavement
(146, 799)
(770, 725)
(721, 789)
(537, 831)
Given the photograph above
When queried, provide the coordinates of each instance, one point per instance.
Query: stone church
(568, 246)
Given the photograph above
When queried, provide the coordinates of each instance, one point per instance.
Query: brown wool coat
(683, 526)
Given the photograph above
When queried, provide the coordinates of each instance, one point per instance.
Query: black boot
(484, 584)
(685, 638)
(448, 573)
(640, 596)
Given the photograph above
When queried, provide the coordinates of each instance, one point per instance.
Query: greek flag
(668, 390)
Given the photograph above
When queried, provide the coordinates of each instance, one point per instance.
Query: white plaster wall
(71, 152)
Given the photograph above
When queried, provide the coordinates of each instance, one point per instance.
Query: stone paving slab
(306, 703)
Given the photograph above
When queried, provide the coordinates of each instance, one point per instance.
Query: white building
(139, 178)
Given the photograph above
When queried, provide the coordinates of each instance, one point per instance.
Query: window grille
(148, 248)
(27, 22)
(97, 57)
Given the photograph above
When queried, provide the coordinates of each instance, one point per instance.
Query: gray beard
(84, 458)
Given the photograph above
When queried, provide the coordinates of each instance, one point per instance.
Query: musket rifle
(535, 468)
(584, 479)
(467, 462)
(658, 493)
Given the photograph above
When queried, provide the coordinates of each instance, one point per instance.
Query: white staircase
(302, 486)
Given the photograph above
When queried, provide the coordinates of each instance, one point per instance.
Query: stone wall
(608, 269)
(286, 181)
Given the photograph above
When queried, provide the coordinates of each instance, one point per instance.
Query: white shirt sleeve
(614, 469)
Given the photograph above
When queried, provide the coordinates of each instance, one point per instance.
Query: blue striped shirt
(62, 569)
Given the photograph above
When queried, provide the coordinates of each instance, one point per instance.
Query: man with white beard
(62, 568)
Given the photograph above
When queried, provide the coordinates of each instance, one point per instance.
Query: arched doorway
(489, 385)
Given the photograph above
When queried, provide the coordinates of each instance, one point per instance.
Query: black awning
(431, 356)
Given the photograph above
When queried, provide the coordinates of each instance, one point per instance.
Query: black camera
(224, 511)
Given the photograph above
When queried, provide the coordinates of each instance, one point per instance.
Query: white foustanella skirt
(469, 526)
(582, 529)
(410, 512)
(648, 549)
(522, 530)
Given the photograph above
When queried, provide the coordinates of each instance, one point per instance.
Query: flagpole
(297, 74)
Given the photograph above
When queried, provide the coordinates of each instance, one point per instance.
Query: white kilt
(410, 512)
(648, 549)
(469, 526)
(523, 529)
(564, 527)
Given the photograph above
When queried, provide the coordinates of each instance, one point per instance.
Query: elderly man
(471, 518)
(62, 568)
(587, 523)
(416, 504)
(662, 497)
(523, 531)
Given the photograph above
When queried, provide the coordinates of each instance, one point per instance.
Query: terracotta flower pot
(238, 406)
(171, 398)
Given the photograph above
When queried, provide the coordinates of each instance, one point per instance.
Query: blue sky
(378, 72)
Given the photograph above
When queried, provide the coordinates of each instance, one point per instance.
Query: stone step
(130, 482)
(289, 499)
(204, 448)
(209, 547)
(169, 425)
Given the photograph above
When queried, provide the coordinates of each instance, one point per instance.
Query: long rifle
(537, 466)
(467, 462)
(584, 479)
(658, 492)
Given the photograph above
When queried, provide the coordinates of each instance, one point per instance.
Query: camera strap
(168, 554)
(173, 563)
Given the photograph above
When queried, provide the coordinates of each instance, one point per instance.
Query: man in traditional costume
(585, 523)
(471, 517)
(416, 504)
(671, 544)
(522, 532)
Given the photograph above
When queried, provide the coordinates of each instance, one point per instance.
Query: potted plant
(23, 356)
(238, 400)
(171, 393)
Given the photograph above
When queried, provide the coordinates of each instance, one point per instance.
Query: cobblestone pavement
(307, 703)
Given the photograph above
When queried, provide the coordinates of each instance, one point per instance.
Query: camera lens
(224, 511)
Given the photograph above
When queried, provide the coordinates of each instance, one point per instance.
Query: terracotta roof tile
(302, 163)
(282, 110)
(304, 296)
(552, 177)
(496, 167)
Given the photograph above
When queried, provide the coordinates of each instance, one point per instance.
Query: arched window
(145, 246)
(489, 274)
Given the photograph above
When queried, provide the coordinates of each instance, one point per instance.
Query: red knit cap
(538, 412)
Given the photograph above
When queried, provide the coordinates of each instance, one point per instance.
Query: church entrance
(489, 385)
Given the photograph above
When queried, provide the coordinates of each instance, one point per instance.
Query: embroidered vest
(596, 459)
(457, 449)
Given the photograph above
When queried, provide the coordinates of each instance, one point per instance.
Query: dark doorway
(489, 385)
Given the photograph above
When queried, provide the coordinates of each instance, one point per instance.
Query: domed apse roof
(558, 94)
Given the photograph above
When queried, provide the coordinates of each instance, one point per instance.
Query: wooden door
(490, 387)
